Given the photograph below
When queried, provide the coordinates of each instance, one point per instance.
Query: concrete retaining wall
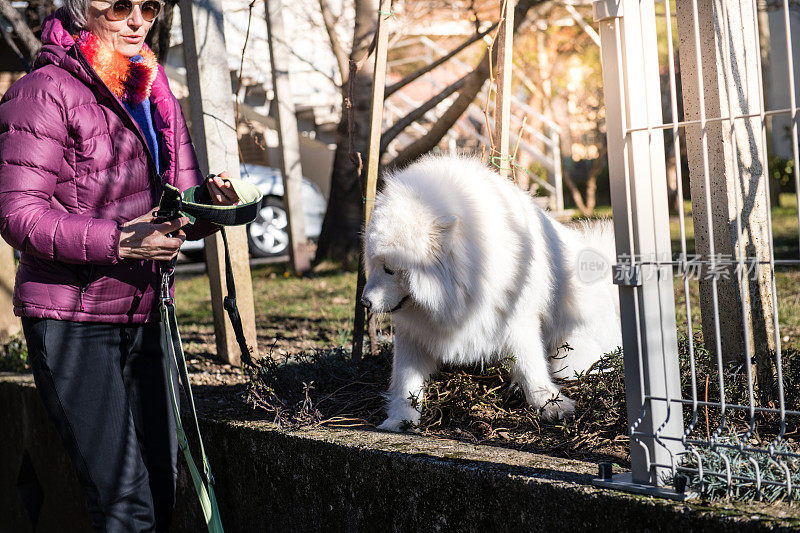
(353, 480)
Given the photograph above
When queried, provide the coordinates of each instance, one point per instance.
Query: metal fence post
(641, 223)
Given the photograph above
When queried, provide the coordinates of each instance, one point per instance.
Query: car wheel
(268, 234)
(195, 256)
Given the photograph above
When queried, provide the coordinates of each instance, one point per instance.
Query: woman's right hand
(142, 238)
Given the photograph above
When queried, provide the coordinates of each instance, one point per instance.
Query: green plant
(14, 355)
(782, 171)
(343, 334)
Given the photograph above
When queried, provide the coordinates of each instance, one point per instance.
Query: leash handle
(169, 208)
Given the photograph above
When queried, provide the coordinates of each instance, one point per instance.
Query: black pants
(103, 386)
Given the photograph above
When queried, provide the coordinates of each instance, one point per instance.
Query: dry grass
(484, 406)
(480, 406)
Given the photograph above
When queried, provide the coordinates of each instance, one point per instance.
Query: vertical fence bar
(641, 222)
(676, 148)
(774, 291)
(787, 21)
(729, 49)
(795, 148)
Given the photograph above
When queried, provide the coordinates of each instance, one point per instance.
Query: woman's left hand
(222, 192)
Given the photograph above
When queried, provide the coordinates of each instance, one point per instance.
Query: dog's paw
(398, 425)
(558, 407)
(552, 406)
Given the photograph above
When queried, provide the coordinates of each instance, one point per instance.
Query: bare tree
(547, 78)
(339, 239)
(338, 48)
(35, 13)
(343, 216)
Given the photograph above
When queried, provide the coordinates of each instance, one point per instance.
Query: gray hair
(77, 9)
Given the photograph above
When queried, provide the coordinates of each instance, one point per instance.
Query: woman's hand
(222, 192)
(142, 238)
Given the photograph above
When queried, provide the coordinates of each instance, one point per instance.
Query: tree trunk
(591, 183)
(29, 44)
(36, 12)
(466, 96)
(338, 50)
(158, 37)
(342, 224)
(524, 158)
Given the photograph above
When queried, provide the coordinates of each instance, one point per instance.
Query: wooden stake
(502, 114)
(9, 324)
(288, 139)
(216, 143)
(373, 161)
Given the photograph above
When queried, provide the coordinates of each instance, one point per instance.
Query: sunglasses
(122, 9)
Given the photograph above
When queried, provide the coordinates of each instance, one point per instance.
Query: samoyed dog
(472, 270)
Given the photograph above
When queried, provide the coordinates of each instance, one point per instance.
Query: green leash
(195, 203)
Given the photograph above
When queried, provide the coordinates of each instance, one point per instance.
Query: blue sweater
(143, 114)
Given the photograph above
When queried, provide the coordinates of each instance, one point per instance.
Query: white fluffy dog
(473, 270)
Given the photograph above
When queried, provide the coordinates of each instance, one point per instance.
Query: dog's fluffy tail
(599, 234)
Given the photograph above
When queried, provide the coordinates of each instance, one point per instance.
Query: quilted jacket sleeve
(189, 174)
(33, 137)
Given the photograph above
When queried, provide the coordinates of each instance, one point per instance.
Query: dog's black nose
(366, 303)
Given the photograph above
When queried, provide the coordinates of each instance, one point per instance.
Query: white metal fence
(711, 393)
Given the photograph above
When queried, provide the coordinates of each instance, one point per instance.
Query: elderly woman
(86, 142)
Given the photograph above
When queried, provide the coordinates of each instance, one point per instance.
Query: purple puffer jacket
(74, 166)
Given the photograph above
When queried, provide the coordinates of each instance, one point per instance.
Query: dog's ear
(441, 231)
(428, 288)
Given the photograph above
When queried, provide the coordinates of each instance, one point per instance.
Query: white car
(268, 234)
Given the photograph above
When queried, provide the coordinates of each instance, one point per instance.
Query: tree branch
(14, 48)
(397, 128)
(576, 195)
(336, 43)
(427, 68)
(472, 86)
(308, 62)
(466, 96)
(30, 44)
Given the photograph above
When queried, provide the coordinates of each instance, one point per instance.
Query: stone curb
(324, 479)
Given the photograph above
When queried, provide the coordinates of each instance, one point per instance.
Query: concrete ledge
(356, 480)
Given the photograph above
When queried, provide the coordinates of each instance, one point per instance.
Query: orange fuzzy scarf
(130, 81)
